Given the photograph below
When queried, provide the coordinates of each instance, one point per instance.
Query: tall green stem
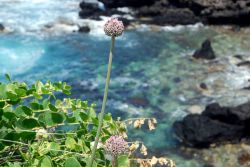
(91, 160)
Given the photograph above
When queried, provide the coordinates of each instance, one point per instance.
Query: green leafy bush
(41, 126)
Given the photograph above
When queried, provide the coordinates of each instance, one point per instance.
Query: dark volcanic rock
(201, 131)
(156, 9)
(208, 165)
(1, 27)
(93, 11)
(125, 21)
(244, 63)
(84, 29)
(242, 114)
(173, 12)
(203, 86)
(240, 57)
(205, 52)
(177, 80)
(230, 16)
(239, 115)
(215, 125)
(89, 10)
(177, 11)
(175, 17)
(222, 12)
(162, 13)
(246, 88)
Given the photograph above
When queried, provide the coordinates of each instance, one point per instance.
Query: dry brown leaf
(151, 125)
(138, 123)
(154, 120)
(143, 150)
(163, 161)
(134, 146)
(130, 122)
(154, 160)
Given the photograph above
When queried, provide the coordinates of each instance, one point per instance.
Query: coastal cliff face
(172, 12)
(219, 11)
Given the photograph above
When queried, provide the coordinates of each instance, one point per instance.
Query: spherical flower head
(113, 27)
(116, 145)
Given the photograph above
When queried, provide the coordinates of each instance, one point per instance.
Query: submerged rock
(240, 57)
(216, 124)
(203, 86)
(205, 52)
(244, 63)
(84, 29)
(138, 101)
(1, 27)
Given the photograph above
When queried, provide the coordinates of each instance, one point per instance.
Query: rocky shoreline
(170, 12)
(215, 125)
(149, 12)
(219, 134)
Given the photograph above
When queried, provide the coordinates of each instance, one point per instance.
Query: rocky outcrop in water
(84, 29)
(216, 124)
(183, 16)
(219, 11)
(205, 52)
(172, 12)
(89, 10)
(1, 27)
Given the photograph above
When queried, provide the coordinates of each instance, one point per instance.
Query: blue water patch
(150, 70)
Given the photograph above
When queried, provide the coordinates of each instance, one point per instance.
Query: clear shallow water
(153, 73)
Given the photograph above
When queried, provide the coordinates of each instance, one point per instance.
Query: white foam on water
(126, 108)
(19, 60)
(177, 28)
(58, 16)
(32, 15)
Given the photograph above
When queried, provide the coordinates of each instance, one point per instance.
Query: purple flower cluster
(113, 27)
(116, 145)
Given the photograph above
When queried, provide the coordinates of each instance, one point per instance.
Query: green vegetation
(38, 128)
(41, 126)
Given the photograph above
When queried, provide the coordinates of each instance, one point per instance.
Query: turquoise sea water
(153, 73)
(148, 69)
(150, 77)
